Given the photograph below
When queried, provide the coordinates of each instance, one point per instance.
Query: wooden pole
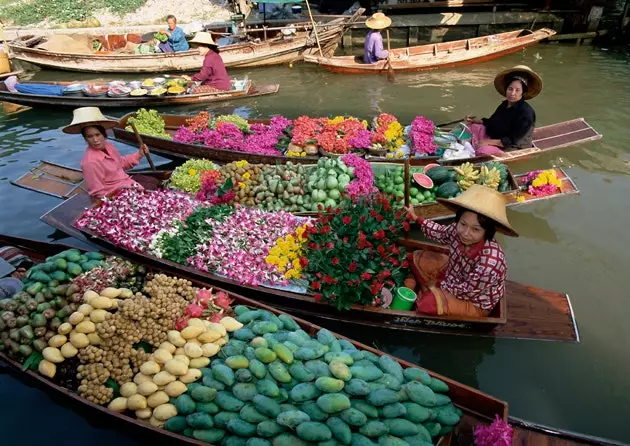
(390, 70)
(139, 138)
(308, 6)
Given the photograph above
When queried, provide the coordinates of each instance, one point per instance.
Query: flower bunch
(241, 243)
(187, 177)
(542, 182)
(198, 123)
(388, 132)
(306, 129)
(421, 136)
(340, 135)
(205, 305)
(499, 433)
(133, 217)
(214, 190)
(287, 252)
(352, 252)
(363, 182)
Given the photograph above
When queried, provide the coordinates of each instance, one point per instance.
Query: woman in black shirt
(511, 126)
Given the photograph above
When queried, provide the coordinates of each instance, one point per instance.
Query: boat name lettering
(427, 322)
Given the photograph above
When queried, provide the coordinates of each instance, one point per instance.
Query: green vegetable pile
(282, 187)
(161, 37)
(148, 122)
(328, 182)
(33, 315)
(238, 121)
(273, 384)
(187, 177)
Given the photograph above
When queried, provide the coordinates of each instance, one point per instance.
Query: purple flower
(421, 136)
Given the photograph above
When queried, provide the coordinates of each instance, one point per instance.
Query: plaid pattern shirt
(477, 275)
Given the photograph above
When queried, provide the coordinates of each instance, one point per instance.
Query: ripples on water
(576, 244)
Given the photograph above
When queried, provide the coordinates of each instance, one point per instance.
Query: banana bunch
(490, 177)
(467, 175)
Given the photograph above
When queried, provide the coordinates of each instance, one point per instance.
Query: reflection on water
(577, 244)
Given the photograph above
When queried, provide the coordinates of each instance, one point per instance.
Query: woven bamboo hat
(203, 38)
(485, 201)
(85, 117)
(524, 74)
(378, 21)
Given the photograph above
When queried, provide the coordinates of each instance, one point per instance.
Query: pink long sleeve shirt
(104, 170)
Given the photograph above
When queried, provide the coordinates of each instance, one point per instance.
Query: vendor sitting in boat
(511, 126)
(176, 37)
(213, 75)
(102, 165)
(373, 49)
(470, 281)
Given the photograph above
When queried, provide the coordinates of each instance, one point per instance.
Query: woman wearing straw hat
(373, 49)
(102, 165)
(213, 74)
(511, 126)
(470, 281)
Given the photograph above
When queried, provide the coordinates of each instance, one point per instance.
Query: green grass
(35, 11)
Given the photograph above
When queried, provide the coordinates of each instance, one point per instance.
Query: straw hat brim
(534, 85)
(203, 39)
(503, 225)
(86, 117)
(378, 23)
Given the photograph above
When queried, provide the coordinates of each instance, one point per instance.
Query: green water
(576, 244)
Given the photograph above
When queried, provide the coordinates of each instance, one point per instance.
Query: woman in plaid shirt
(470, 281)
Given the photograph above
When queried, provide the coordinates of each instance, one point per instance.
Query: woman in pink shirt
(213, 75)
(102, 165)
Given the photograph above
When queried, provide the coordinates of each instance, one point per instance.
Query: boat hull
(439, 55)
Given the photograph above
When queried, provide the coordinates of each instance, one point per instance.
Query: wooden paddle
(390, 70)
(308, 6)
(139, 138)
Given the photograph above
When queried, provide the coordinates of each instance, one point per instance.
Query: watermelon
(447, 190)
(439, 175)
(430, 166)
(423, 180)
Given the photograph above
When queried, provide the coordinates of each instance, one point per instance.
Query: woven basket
(377, 152)
(330, 154)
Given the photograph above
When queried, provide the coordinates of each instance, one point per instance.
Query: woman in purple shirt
(213, 73)
(373, 50)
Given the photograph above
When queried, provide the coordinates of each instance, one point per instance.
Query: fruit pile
(272, 383)
(492, 174)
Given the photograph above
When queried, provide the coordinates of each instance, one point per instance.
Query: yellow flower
(336, 120)
(241, 163)
(365, 123)
(520, 198)
(192, 172)
(242, 185)
(247, 175)
(537, 182)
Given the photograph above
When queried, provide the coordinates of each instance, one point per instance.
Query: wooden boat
(73, 101)
(275, 49)
(437, 55)
(64, 182)
(546, 139)
(472, 402)
(525, 313)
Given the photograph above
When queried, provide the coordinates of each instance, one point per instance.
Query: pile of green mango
(273, 384)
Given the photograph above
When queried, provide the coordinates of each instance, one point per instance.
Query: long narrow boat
(437, 55)
(64, 182)
(525, 313)
(546, 139)
(478, 407)
(471, 401)
(276, 49)
(74, 101)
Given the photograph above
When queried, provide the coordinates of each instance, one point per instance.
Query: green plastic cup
(404, 299)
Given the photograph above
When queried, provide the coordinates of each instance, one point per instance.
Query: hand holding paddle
(143, 147)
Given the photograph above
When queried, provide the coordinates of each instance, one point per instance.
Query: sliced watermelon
(429, 167)
(423, 180)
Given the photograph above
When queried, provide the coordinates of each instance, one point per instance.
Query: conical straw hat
(378, 21)
(485, 201)
(85, 117)
(204, 38)
(533, 80)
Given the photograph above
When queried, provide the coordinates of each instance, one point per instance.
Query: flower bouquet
(542, 182)
(387, 137)
(352, 252)
(421, 137)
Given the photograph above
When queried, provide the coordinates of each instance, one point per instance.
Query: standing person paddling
(470, 281)
(176, 36)
(213, 73)
(511, 126)
(373, 49)
(102, 165)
